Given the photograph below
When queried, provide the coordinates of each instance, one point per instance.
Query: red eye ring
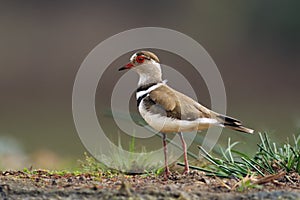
(140, 59)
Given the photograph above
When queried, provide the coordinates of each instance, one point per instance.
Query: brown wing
(177, 105)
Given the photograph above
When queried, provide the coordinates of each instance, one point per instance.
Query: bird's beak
(127, 66)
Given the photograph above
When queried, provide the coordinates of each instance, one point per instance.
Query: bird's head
(142, 61)
(146, 64)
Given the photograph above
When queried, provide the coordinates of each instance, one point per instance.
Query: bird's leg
(167, 171)
(186, 162)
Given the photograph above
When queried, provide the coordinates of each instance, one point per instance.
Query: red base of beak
(128, 66)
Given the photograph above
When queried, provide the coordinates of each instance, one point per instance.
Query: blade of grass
(253, 166)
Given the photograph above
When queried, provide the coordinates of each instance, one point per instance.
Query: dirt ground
(42, 185)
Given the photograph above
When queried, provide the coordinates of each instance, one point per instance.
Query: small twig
(276, 182)
(222, 183)
(288, 178)
(270, 178)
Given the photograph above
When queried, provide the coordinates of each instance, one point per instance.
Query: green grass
(56, 172)
(120, 160)
(91, 165)
(268, 160)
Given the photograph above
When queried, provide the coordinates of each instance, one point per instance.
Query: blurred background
(255, 44)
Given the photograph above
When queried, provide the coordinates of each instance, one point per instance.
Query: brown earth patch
(41, 184)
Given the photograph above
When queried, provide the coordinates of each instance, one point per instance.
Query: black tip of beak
(122, 68)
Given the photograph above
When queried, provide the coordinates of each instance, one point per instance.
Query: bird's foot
(186, 171)
(167, 173)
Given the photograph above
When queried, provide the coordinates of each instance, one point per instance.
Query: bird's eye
(140, 59)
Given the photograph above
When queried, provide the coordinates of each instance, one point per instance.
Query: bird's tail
(233, 124)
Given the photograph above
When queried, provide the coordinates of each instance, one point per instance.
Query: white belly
(170, 125)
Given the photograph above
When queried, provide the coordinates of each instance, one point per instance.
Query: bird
(169, 111)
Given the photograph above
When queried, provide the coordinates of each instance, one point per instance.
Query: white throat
(149, 73)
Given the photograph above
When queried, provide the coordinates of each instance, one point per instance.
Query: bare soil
(195, 185)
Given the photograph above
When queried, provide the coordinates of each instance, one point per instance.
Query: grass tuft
(120, 160)
(268, 160)
(91, 165)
